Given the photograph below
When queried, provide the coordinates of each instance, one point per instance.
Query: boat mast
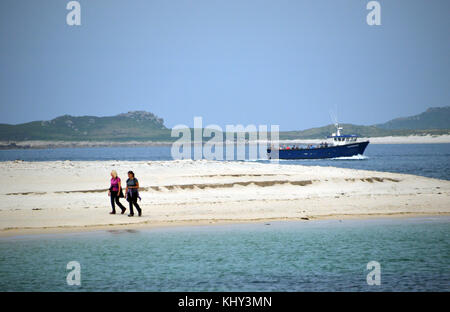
(338, 129)
(334, 118)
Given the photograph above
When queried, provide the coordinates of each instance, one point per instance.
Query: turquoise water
(324, 255)
(429, 160)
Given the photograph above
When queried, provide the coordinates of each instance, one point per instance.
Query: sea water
(327, 255)
(429, 160)
(414, 254)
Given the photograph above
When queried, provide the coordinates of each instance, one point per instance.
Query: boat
(340, 146)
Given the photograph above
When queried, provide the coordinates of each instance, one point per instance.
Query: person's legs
(131, 206)
(137, 206)
(112, 203)
(120, 205)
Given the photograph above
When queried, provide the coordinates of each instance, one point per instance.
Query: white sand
(50, 196)
(412, 139)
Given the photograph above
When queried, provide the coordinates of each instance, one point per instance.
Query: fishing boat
(341, 145)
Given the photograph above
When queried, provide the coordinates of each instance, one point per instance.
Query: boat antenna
(334, 118)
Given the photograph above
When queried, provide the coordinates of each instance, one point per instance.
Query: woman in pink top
(114, 192)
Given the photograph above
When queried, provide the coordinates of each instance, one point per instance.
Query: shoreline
(27, 145)
(72, 195)
(19, 232)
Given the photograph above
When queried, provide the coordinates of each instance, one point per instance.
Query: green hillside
(361, 131)
(434, 121)
(137, 125)
(145, 126)
(432, 118)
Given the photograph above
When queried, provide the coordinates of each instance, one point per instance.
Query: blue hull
(346, 150)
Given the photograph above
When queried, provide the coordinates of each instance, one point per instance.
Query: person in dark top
(114, 192)
(132, 192)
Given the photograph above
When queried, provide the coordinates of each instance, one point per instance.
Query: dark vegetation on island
(144, 126)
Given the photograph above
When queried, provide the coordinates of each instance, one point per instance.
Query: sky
(284, 62)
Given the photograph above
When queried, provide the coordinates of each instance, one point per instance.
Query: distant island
(141, 126)
(137, 125)
(434, 121)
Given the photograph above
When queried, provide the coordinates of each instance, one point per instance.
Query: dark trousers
(115, 199)
(133, 201)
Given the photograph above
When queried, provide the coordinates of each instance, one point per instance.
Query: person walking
(115, 192)
(132, 193)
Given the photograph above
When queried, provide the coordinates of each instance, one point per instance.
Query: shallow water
(278, 256)
(429, 160)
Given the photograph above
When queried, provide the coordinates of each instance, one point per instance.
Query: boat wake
(355, 157)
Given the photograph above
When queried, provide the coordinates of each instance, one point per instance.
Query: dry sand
(44, 197)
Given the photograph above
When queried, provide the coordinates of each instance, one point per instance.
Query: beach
(409, 139)
(54, 196)
(39, 144)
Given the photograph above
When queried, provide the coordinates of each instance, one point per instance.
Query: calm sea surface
(414, 255)
(284, 256)
(430, 160)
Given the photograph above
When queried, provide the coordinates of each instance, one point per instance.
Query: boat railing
(309, 146)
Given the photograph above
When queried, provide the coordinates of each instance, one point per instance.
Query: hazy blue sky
(235, 61)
